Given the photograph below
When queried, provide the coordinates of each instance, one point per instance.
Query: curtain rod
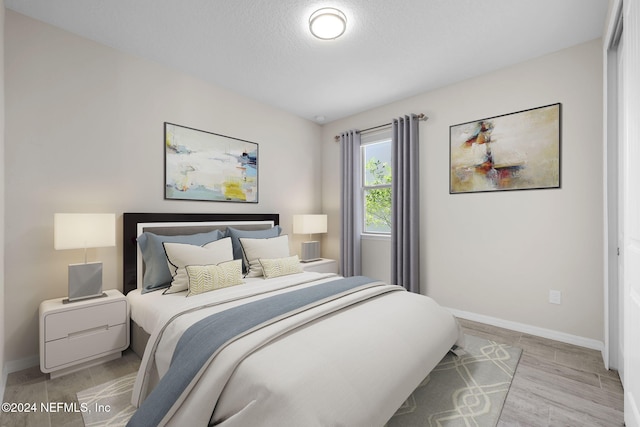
(421, 117)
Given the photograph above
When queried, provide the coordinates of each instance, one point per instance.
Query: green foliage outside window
(378, 200)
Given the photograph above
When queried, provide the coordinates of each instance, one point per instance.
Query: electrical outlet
(555, 297)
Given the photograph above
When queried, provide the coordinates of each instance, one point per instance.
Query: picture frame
(515, 151)
(207, 166)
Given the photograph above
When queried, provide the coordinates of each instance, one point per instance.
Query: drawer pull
(86, 332)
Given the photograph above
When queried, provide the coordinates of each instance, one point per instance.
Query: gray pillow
(156, 271)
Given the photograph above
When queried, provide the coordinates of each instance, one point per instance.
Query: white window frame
(378, 137)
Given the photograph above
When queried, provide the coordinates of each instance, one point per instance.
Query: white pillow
(254, 249)
(179, 255)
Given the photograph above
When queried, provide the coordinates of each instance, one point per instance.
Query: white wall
(3, 374)
(84, 133)
(498, 254)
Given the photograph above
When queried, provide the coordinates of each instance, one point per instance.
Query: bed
(286, 347)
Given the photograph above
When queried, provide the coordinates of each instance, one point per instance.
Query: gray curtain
(405, 204)
(351, 205)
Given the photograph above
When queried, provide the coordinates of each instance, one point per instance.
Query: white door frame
(630, 250)
(628, 140)
(612, 344)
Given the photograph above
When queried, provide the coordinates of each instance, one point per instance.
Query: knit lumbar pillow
(280, 266)
(205, 278)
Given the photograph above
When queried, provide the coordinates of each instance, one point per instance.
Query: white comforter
(349, 362)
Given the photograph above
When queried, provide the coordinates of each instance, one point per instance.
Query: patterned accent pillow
(205, 278)
(280, 266)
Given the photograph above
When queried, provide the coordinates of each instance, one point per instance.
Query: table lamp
(82, 231)
(310, 224)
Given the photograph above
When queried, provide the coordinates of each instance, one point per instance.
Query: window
(376, 173)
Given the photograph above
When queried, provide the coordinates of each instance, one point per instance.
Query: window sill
(372, 236)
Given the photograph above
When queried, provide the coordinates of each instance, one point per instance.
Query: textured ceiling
(390, 51)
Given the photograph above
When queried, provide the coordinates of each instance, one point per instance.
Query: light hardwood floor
(555, 384)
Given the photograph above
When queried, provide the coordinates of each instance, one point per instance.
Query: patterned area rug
(108, 404)
(468, 389)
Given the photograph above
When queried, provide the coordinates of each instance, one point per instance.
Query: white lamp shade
(309, 224)
(83, 230)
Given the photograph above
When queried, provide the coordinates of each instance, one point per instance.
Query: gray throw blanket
(205, 338)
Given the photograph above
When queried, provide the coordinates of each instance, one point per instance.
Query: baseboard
(20, 364)
(529, 329)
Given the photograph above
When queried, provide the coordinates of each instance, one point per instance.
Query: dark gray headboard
(130, 233)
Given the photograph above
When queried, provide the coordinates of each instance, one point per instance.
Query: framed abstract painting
(516, 151)
(208, 166)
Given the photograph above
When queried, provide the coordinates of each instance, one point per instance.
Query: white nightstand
(79, 334)
(323, 265)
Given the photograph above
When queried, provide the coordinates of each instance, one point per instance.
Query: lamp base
(67, 300)
(310, 251)
(85, 281)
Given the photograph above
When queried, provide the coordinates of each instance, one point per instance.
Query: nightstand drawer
(80, 334)
(68, 323)
(90, 343)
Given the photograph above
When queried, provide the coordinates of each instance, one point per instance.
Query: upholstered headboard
(178, 223)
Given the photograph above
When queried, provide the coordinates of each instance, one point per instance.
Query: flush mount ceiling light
(327, 23)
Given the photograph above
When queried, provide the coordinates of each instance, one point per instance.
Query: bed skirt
(139, 338)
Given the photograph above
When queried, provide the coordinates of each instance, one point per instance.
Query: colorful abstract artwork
(207, 166)
(516, 151)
